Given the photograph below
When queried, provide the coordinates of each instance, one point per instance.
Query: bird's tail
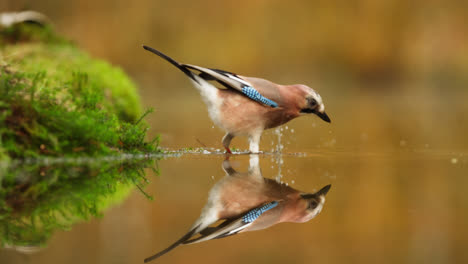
(173, 62)
(174, 245)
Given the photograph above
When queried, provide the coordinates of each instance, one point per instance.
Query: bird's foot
(228, 150)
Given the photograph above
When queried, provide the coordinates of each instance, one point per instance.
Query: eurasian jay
(247, 202)
(249, 105)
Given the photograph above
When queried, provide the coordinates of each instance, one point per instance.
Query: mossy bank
(55, 100)
(65, 120)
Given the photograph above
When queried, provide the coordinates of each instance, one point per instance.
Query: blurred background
(391, 72)
(393, 76)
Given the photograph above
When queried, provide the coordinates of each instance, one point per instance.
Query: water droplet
(454, 160)
(402, 143)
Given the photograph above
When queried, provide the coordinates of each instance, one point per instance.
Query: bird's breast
(278, 117)
(240, 115)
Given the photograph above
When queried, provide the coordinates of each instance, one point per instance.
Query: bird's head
(313, 104)
(312, 204)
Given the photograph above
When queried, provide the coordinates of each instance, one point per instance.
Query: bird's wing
(233, 81)
(232, 226)
(266, 88)
(225, 78)
(227, 228)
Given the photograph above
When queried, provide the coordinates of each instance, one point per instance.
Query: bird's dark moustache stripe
(307, 110)
(172, 61)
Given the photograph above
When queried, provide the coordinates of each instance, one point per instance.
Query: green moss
(59, 107)
(38, 199)
(55, 100)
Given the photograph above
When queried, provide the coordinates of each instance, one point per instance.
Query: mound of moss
(57, 101)
(61, 114)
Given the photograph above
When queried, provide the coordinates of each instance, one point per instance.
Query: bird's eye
(312, 102)
(313, 204)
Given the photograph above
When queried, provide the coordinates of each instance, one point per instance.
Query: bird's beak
(323, 116)
(323, 191)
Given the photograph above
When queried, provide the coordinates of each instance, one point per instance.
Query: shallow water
(406, 207)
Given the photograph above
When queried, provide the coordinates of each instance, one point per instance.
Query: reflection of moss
(55, 100)
(37, 200)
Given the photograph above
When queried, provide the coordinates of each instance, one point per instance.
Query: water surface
(407, 208)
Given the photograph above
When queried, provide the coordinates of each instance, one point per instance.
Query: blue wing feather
(256, 96)
(253, 214)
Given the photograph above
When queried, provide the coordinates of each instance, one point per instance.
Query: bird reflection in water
(243, 202)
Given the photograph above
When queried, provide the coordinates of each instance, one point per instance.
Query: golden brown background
(393, 76)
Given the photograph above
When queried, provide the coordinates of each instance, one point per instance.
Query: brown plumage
(247, 105)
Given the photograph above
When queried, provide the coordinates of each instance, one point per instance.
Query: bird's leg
(228, 168)
(227, 141)
(254, 141)
(254, 166)
(228, 150)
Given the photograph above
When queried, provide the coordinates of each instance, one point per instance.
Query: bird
(246, 106)
(242, 202)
